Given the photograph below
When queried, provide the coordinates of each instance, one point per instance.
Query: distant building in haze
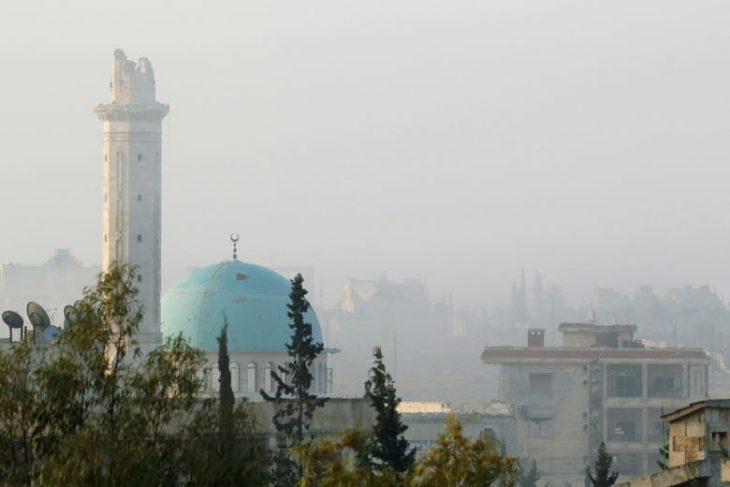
(599, 386)
(54, 284)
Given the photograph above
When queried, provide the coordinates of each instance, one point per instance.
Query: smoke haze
(455, 141)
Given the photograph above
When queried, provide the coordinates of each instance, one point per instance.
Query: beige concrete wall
(687, 440)
(337, 415)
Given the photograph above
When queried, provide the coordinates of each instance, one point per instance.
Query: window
(540, 427)
(719, 440)
(213, 376)
(251, 373)
(665, 380)
(139, 278)
(624, 424)
(624, 380)
(139, 237)
(541, 383)
(655, 427)
(235, 376)
(139, 197)
(139, 157)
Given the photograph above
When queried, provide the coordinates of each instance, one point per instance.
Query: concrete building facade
(601, 385)
(132, 151)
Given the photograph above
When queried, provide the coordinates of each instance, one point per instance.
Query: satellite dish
(70, 314)
(13, 319)
(50, 334)
(37, 315)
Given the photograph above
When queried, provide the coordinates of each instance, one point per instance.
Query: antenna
(37, 315)
(13, 320)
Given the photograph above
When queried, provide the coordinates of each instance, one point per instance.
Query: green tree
(90, 410)
(387, 447)
(663, 461)
(458, 461)
(531, 476)
(226, 399)
(294, 378)
(602, 475)
(328, 463)
(233, 455)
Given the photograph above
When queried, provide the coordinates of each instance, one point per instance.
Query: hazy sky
(458, 141)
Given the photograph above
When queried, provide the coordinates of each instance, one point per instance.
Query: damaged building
(698, 442)
(600, 385)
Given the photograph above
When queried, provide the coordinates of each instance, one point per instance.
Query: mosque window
(139, 157)
(139, 237)
(105, 237)
(139, 278)
(139, 197)
(251, 377)
(235, 376)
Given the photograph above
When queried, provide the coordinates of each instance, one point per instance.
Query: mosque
(250, 297)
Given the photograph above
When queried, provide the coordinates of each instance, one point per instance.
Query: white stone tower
(132, 127)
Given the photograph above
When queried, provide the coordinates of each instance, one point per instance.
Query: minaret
(132, 123)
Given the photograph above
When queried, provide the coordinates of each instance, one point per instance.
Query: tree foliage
(387, 447)
(602, 475)
(462, 462)
(531, 476)
(294, 379)
(90, 410)
(663, 462)
(336, 463)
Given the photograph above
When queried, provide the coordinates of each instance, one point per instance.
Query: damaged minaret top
(131, 83)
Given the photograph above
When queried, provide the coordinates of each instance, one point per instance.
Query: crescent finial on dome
(234, 239)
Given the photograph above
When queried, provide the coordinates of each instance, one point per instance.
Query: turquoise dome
(253, 298)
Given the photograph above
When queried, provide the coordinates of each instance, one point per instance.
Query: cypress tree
(226, 400)
(604, 477)
(295, 403)
(530, 477)
(388, 448)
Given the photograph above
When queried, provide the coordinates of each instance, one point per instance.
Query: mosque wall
(337, 415)
(251, 372)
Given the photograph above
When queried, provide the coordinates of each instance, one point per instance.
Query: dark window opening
(139, 197)
(540, 427)
(139, 238)
(139, 157)
(665, 380)
(624, 424)
(628, 464)
(624, 380)
(719, 440)
(607, 339)
(139, 278)
(541, 383)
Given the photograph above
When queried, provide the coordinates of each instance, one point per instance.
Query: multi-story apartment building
(601, 385)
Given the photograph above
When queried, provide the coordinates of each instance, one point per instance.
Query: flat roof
(596, 328)
(519, 354)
